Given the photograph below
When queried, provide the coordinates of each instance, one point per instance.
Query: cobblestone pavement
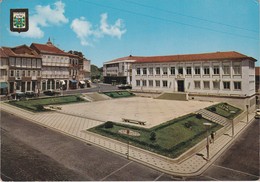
(77, 126)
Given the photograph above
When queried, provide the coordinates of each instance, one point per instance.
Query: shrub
(39, 108)
(187, 125)
(198, 116)
(109, 124)
(79, 99)
(153, 136)
(213, 109)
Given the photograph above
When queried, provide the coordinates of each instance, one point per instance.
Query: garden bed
(225, 110)
(119, 94)
(169, 139)
(36, 105)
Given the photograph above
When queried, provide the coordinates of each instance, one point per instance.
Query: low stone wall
(235, 101)
(173, 96)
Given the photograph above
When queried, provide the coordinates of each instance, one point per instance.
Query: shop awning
(82, 82)
(73, 81)
(63, 82)
(3, 85)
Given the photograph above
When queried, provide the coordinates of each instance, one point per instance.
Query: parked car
(18, 95)
(257, 114)
(124, 86)
(51, 92)
(30, 94)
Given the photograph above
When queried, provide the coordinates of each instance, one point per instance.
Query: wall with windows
(119, 69)
(226, 77)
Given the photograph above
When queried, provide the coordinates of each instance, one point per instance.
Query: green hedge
(143, 141)
(36, 105)
(119, 94)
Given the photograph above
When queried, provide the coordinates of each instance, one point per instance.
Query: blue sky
(107, 29)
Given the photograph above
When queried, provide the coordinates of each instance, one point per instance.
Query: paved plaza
(152, 111)
(76, 127)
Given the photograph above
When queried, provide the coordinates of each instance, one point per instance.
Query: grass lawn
(225, 110)
(37, 104)
(172, 138)
(119, 94)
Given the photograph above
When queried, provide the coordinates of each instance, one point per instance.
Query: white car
(257, 114)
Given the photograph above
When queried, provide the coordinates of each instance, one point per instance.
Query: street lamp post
(127, 154)
(207, 146)
(232, 122)
(247, 113)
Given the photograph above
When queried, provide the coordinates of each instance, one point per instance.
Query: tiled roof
(13, 52)
(127, 58)
(194, 57)
(257, 71)
(185, 57)
(2, 53)
(47, 49)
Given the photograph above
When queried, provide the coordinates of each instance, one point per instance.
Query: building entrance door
(180, 85)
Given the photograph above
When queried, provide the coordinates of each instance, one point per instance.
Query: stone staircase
(94, 96)
(214, 117)
(173, 96)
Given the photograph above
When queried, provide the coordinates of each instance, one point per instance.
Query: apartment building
(219, 73)
(55, 66)
(20, 69)
(257, 79)
(86, 69)
(4, 67)
(119, 70)
(79, 69)
(217, 76)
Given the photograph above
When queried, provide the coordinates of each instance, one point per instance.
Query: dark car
(30, 94)
(126, 86)
(51, 92)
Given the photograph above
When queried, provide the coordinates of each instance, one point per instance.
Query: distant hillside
(96, 73)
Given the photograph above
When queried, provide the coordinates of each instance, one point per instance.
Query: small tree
(109, 124)
(198, 116)
(39, 108)
(153, 136)
(213, 109)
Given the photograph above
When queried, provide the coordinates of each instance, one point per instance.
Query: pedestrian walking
(212, 135)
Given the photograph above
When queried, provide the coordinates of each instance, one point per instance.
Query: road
(33, 152)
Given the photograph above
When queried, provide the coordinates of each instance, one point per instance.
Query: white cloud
(115, 30)
(84, 29)
(44, 16)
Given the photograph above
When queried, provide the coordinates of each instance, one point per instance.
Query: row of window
(197, 70)
(25, 62)
(28, 73)
(197, 84)
(55, 57)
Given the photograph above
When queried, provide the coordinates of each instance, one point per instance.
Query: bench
(134, 121)
(55, 107)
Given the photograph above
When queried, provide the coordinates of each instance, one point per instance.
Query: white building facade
(119, 70)
(55, 66)
(220, 73)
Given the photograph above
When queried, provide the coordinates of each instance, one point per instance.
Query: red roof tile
(186, 57)
(125, 59)
(194, 57)
(47, 49)
(2, 53)
(16, 52)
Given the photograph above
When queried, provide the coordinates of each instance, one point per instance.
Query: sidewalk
(76, 127)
